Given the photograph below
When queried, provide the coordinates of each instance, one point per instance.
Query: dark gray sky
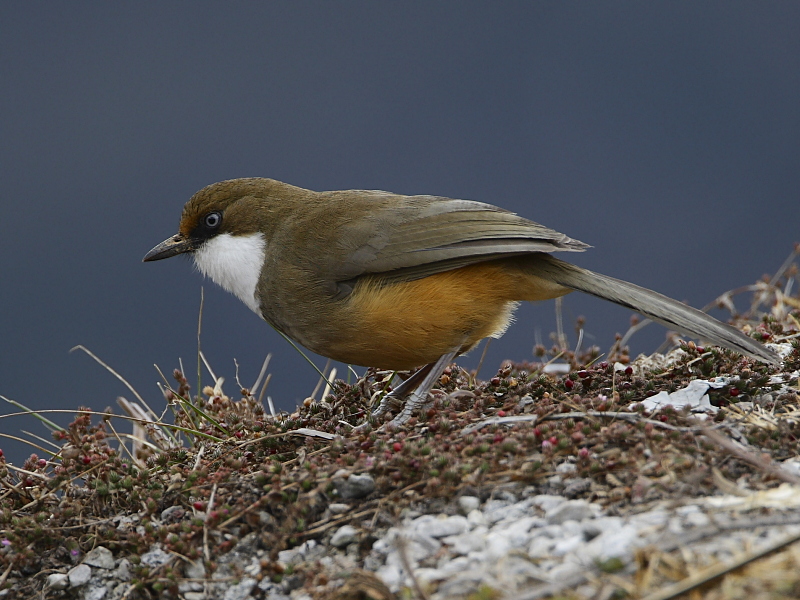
(667, 135)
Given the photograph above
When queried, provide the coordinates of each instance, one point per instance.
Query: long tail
(666, 311)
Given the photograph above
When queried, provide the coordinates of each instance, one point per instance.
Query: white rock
(467, 504)
(653, 518)
(442, 526)
(128, 522)
(566, 468)
(418, 546)
(428, 576)
(240, 591)
(518, 536)
(385, 544)
(463, 585)
(346, 534)
(571, 510)
(509, 545)
(287, 557)
(552, 531)
(185, 587)
(409, 514)
(460, 564)
(95, 591)
(567, 545)
(338, 508)
(100, 557)
(675, 526)
(572, 527)
(523, 524)
(465, 543)
(194, 569)
(514, 571)
(790, 464)
(512, 512)
(564, 571)
(391, 575)
(547, 502)
(298, 554)
(493, 504)
(697, 519)
(506, 496)
(476, 518)
(354, 487)
(613, 543)
(561, 368)
(79, 575)
(174, 513)
(254, 568)
(594, 527)
(123, 572)
(693, 395)
(57, 581)
(419, 523)
(273, 591)
(155, 557)
(421, 546)
(541, 547)
(497, 545)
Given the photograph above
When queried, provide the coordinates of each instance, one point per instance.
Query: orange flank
(425, 318)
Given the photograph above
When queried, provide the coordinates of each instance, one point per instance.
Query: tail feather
(666, 311)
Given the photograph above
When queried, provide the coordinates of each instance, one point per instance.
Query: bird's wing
(409, 237)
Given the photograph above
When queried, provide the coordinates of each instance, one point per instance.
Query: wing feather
(410, 237)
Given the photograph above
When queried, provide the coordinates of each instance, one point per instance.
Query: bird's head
(228, 209)
(224, 227)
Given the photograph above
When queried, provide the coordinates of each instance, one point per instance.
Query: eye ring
(212, 220)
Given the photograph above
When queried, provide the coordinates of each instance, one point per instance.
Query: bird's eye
(212, 220)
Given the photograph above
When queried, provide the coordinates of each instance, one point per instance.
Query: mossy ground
(239, 470)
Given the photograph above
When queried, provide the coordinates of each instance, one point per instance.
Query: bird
(378, 279)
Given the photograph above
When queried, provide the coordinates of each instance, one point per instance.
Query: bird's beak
(173, 246)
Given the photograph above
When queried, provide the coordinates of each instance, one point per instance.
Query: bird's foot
(414, 402)
(379, 412)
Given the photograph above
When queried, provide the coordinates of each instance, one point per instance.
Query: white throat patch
(234, 262)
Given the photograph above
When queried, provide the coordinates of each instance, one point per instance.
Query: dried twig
(401, 543)
(113, 372)
(209, 508)
(622, 416)
(499, 421)
(705, 575)
(760, 462)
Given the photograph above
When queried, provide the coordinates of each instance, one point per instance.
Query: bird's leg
(402, 390)
(420, 394)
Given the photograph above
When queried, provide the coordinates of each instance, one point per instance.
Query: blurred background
(667, 135)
